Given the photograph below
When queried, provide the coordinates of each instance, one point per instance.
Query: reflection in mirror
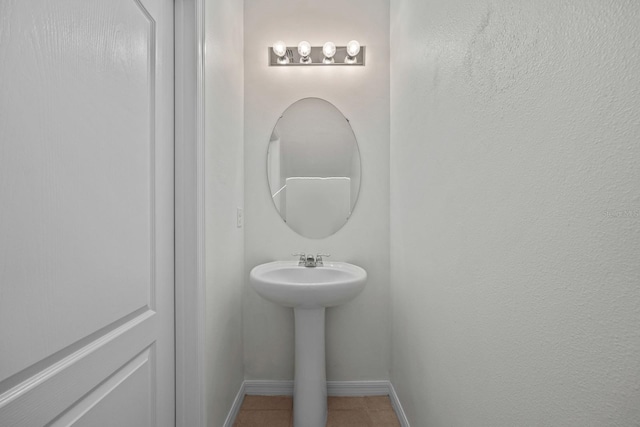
(313, 167)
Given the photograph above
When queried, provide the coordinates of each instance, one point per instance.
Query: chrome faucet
(309, 260)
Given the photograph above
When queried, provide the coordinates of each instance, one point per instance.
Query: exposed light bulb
(329, 49)
(353, 48)
(280, 48)
(304, 49)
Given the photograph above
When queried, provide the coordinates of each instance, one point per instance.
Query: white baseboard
(402, 417)
(268, 388)
(357, 388)
(235, 407)
(334, 388)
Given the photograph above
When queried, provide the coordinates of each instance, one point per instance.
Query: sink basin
(309, 290)
(286, 283)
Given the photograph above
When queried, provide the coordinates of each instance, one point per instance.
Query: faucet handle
(302, 259)
(319, 259)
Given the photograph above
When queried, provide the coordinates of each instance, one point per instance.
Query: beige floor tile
(378, 403)
(345, 402)
(348, 418)
(267, 402)
(277, 411)
(260, 418)
(386, 418)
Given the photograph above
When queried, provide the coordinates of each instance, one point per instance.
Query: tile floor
(277, 411)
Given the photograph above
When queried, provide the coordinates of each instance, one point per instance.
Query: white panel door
(86, 213)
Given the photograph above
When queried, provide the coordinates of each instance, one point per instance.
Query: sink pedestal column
(310, 386)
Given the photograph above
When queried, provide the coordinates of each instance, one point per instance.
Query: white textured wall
(515, 147)
(358, 340)
(224, 192)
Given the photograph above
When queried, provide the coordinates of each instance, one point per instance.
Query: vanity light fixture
(306, 55)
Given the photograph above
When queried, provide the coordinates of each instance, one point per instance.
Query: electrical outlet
(239, 218)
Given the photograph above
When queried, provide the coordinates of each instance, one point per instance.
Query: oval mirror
(313, 167)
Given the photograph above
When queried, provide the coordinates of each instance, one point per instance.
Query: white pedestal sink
(309, 290)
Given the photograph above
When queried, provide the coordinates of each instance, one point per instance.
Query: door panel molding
(151, 78)
(35, 372)
(144, 360)
(52, 393)
(92, 64)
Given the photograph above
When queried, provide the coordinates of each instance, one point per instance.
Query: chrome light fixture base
(316, 57)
